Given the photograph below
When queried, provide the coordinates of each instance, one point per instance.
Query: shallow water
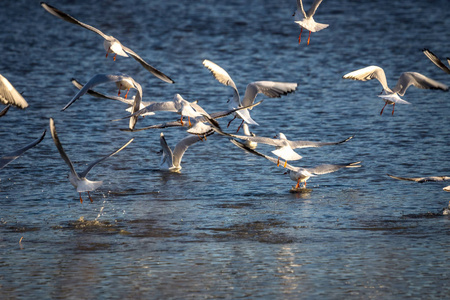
(227, 225)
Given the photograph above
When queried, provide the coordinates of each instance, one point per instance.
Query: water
(227, 226)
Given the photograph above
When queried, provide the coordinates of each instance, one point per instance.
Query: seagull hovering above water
(424, 179)
(10, 96)
(306, 20)
(300, 174)
(111, 44)
(271, 89)
(6, 159)
(392, 96)
(79, 180)
(435, 60)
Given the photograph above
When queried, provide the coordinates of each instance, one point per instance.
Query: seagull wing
(418, 80)
(271, 89)
(61, 149)
(79, 86)
(148, 67)
(94, 81)
(68, 18)
(91, 165)
(313, 8)
(9, 95)
(310, 144)
(167, 152)
(16, 154)
(327, 168)
(222, 76)
(300, 8)
(181, 147)
(421, 179)
(368, 73)
(5, 110)
(436, 60)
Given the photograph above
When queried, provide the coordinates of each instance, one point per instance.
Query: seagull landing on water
(111, 44)
(392, 96)
(306, 20)
(79, 180)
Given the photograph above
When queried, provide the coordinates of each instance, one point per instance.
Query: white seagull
(10, 96)
(392, 96)
(284, 147)
(79, 180)
(178, 105)
(300, 174)
(306, 20)
(4, 160)
(111, 44)
(437, 61)
(271, 89)
(171, 161)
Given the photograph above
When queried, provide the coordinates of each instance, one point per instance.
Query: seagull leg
(278, 162)
(114, 59)
(285, 163)
(393, 109)
(126, 95)
(120, 85)
(81, 199)
(107, 52)
(181, 120)
(90, 197)
(231, 121)
(309, 37)
(298, 183)
(242, 123)
(381, 112)
(189, 120)
(300, 36)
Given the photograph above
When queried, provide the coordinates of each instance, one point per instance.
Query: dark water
(227, 226)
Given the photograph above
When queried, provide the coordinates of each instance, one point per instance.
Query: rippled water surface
(227, 225)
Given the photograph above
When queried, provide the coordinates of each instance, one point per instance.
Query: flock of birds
(200, 123)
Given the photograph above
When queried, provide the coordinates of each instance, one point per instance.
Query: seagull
(284, 147)
(130, 102)
(111, 44)
(271, 89)
(178, 105)
(306, 20)
(300, 174)
(437, 61)
(247, 132)
(10, 96)
(424, 179)
(392, 96)
(79, 180)
(4, 160)
(171, 161)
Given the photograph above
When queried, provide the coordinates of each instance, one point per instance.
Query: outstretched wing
(310, 144)
(313, 8)
(68, 18)
(61, 149)
(9, 95)
(222, 76)
(271, 89)
(16, 154)
(369, 73)
(325, 169)
(418, 80)
(421, 179)
(435, 60)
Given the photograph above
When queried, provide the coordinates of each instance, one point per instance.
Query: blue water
(227, 225)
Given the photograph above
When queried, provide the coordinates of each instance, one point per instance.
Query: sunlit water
(227, 225)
